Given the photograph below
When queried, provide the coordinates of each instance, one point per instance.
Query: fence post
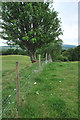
(39, 61)
(17, 84)
(46, 58)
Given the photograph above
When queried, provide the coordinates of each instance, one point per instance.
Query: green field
(55, 94)
(9, 63)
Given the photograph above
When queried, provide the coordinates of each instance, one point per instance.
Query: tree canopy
(29, 25)
(73, 54)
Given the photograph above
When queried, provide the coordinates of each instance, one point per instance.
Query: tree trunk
(50, 59)
(33, 57)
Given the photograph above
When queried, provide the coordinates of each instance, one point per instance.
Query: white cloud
(70, 34)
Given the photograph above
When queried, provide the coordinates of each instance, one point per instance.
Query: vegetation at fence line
(50, 93)
(73, 54)
(30, 25)
(53, 49)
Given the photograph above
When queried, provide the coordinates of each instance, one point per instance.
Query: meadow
(49, 92)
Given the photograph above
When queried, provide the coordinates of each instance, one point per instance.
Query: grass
(54, 96)
(9, 62)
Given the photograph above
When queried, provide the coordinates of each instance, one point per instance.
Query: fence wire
(7, 103)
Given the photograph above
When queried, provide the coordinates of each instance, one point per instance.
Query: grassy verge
(54, 96)
(51, 92)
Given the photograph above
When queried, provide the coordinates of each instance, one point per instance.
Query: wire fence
(9, 103)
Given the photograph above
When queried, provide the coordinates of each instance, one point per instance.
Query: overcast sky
(68, 12)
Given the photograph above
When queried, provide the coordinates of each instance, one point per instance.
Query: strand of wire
(23, 69)
(25, 79)
(11, 96)
(21, 84)
(7, 108)
(6, 111)
(7, 98)
(11, 115)
(25, 74)
(26, 82)
(7, 86)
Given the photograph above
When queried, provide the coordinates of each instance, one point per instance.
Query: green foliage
(73, 54)
(30, 25)
(53, 48)
(76, 53)
(63, 58)
(68, 53)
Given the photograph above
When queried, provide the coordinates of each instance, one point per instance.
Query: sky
(68, 12)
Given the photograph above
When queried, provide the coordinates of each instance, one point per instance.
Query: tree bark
(50, 59)
(33, 57)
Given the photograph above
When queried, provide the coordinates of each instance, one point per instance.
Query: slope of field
(51, 92)
(9, 63)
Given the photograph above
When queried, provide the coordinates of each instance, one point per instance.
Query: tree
(76, 53)
(68, 53)
(73, 54)
(29, 25)
(53, 49)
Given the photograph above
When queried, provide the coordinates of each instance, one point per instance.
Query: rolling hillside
(65, 46)
(6, 47)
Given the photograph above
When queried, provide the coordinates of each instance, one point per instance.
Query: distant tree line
(58, 54)
(73, 54)
(14, 52)
(55, 51)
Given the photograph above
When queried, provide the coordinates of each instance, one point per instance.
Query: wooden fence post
(17, 84)
(39, 61)
(46, 58)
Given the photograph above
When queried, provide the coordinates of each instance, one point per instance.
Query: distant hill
(6, 48)
(64, 46)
